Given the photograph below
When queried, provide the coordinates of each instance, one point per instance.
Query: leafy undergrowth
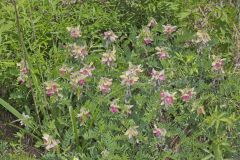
(144, 79)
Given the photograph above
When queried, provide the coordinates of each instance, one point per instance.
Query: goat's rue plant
(107, 89)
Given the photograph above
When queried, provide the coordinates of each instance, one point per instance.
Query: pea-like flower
(87, 70)
(132, 132)
(158, 75)
(49, 142)
(201, 110)
(148, 41)
(169, 29)
(64, 70)
(187, 94)
(77, 79)
(78, 52)
(202, 37)
(83, 115)
(23, 69)
(135, 69)
(152, 23)
(114, 107)
(162, 53)
(217, 64)
(105, 85)
(159, 132)
(131, 76)
(167, 98)
(109, 57)
(110, 36)
(74, 32)
(52, 88)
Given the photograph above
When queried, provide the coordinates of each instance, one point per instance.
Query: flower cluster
(78, 52)
(52, 88)
(109, 37)
(105, 85)
(132, 132)
(187, 94)
(159, 132)
(161, 53)
(83, 115)
(202, 37)
(74, 32)
(114, 107)
(78, 78)
(131, 76)
(167, 98)
(169, 29)
(109, 57)
(49, 142)
(23, 68)
(217, 64)
(148, 41)
(64, 70)
(158, 76)
(152, 23)
(87, 70)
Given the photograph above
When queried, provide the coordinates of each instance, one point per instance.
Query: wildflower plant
(100, 86)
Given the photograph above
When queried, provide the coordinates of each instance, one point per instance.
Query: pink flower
(52, 88)
(167, 98)
(169, 29)
(77, 79)
(217, 64)
(130, 76)
(187, 94)
(74, 31)
(158, 75)
(78, 52)
(162, 53)
(23, 75)
(87, 70)
(105, 84)
(114, 108)
(159, 132)
(21, 80)
(110, 36)
(109, 57)
(148, 41)
(152, 23)
(65, 70)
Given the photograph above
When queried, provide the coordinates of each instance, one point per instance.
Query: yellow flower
(50, 142)
(78, 52)
(202, 37)
(132, 132)
(109, 57)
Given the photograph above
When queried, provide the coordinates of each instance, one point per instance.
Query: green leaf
(11, 109)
